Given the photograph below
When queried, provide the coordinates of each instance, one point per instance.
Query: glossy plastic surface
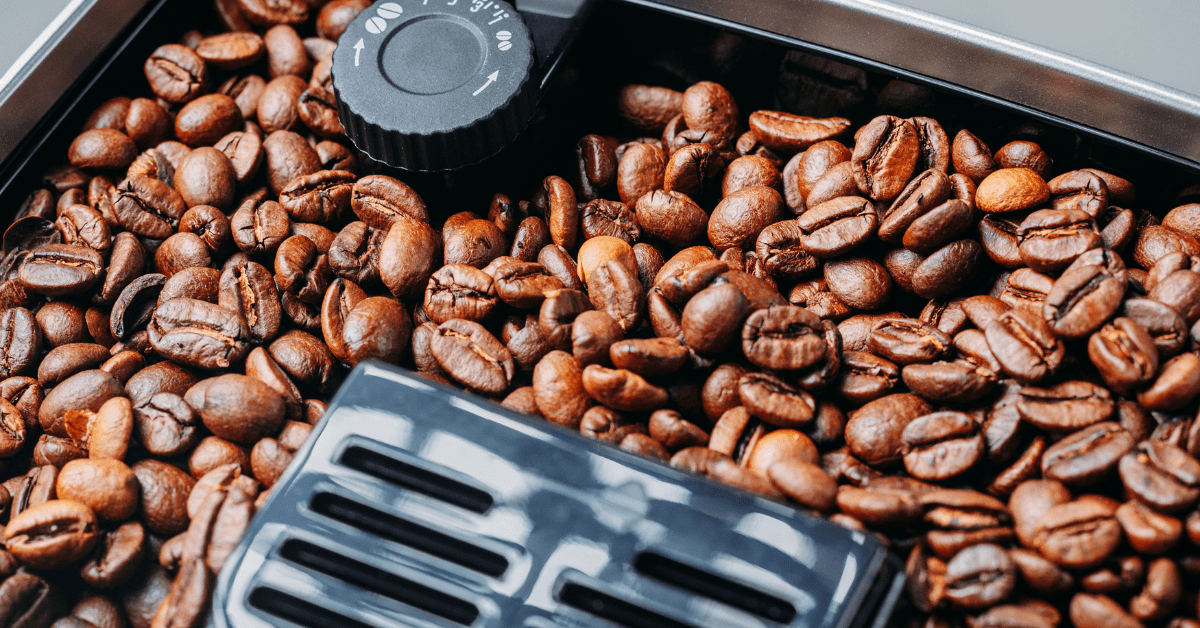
(497, 520)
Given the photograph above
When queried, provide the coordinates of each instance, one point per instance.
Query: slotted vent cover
(462, 513)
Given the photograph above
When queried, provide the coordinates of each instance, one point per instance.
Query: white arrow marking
(491, 79)
(358, 48)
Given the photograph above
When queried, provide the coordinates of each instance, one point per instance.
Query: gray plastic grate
(416, 505)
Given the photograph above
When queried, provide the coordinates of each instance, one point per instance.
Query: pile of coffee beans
(991, 363)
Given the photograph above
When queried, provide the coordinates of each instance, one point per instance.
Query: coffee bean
(739, 218)
(1162, 475)
(1088, 455)
(52, 535)
(859, 282)
(472, 356)
(237, 408)
(1078, 534)
(941, 445)
(558, 389)
(885, 155)
(972, 157)
(1065, 407)
(980, 576)
(176, 73)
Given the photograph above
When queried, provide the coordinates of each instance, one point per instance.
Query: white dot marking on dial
(504, 35)
(376, 25)
(389, 10)
(504, 45)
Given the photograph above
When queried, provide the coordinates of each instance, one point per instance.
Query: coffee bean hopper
(417, 505)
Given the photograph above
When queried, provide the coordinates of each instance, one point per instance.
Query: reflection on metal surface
(368, 532)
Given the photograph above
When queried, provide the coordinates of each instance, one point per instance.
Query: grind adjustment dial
(435, 84)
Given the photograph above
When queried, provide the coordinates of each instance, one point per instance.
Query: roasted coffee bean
(237, 408)
(1177, 384)
(472, 356)
(21, 339)
(775, 402)
(885, 155)
(859, 282)
(740, 217)
(1066, 407)
(621, 390)
(165, 425)
(1124, 354)
(1162, 475)
(52, 535)
(972, 157)
(558, 389)
(1050, 239)
(1011, 189)
(176, 73)
(1088, 455)
(783, 338)
(199, 334)
(61, 269)
(837, 227)
(941, 445)
(1024, 345)
(1078, 534)
(980, 576)
(790, 133)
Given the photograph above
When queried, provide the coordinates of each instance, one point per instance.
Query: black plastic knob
(435, 84)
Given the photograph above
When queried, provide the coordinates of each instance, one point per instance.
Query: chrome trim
(55, 60)
(946, 50)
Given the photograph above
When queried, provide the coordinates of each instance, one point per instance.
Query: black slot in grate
(379, 581)
(613, 608)
(408, 533)
(714, 587)
(416, 479)
(299, 611)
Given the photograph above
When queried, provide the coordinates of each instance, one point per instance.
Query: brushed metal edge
(950, 51)
(55, 60)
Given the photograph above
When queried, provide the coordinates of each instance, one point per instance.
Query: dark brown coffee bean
(775, 402)
(907, 341)
(148, 207)
(640, 172)
(21, 339)
(288, 156)
(249, 291)
(61, 269)
(1078, 534)
(472, 356)
(237, 408)
(885, 154)
(230, 51)
(558, 389)
(740, 217)
(199, 334)
(52, 535)
(165, 425)
(176, 73)
(972, 157)
(1088, 455)
(648, 108)
(941, 445)
(783, 338)
(622, 390)
(1024, 345)
(1162, 475)
(1124, 354)
(712, 320)
(836, 227)
(1066, 407)
(1050, 239)
(164, 493)
(790, 133)
(980, 576)
(859, 282)
(947, 270)
(873, 432)
(259, 228)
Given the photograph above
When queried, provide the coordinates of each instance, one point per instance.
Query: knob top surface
(434, 84)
